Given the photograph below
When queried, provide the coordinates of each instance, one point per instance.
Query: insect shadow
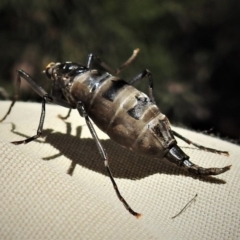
(124, 163)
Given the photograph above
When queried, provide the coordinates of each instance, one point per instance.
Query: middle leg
(142, 75)
(83, 113)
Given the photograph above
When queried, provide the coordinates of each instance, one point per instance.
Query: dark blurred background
(192, 49)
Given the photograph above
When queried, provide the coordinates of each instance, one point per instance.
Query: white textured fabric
(38, 200)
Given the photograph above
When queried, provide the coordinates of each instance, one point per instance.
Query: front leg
(15, 97)
(45, 98)
(40, 126)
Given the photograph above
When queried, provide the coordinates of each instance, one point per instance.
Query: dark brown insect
(128, 116)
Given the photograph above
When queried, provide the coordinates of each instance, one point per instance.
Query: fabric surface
(39, 200)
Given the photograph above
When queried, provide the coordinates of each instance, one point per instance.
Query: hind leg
(200, 146)
(179, 158)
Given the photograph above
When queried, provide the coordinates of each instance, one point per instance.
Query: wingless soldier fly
(128, 116)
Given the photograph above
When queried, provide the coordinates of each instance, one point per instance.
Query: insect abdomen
(127, 115)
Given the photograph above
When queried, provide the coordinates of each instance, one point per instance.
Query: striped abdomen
(127, 115)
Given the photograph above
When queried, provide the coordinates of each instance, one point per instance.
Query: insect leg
(83, 113)
(139, 77)
(199, 146)
(40, 126)
(178, 157)
(95, 58)
(15, 97)
(45, 98)
(39, 90)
